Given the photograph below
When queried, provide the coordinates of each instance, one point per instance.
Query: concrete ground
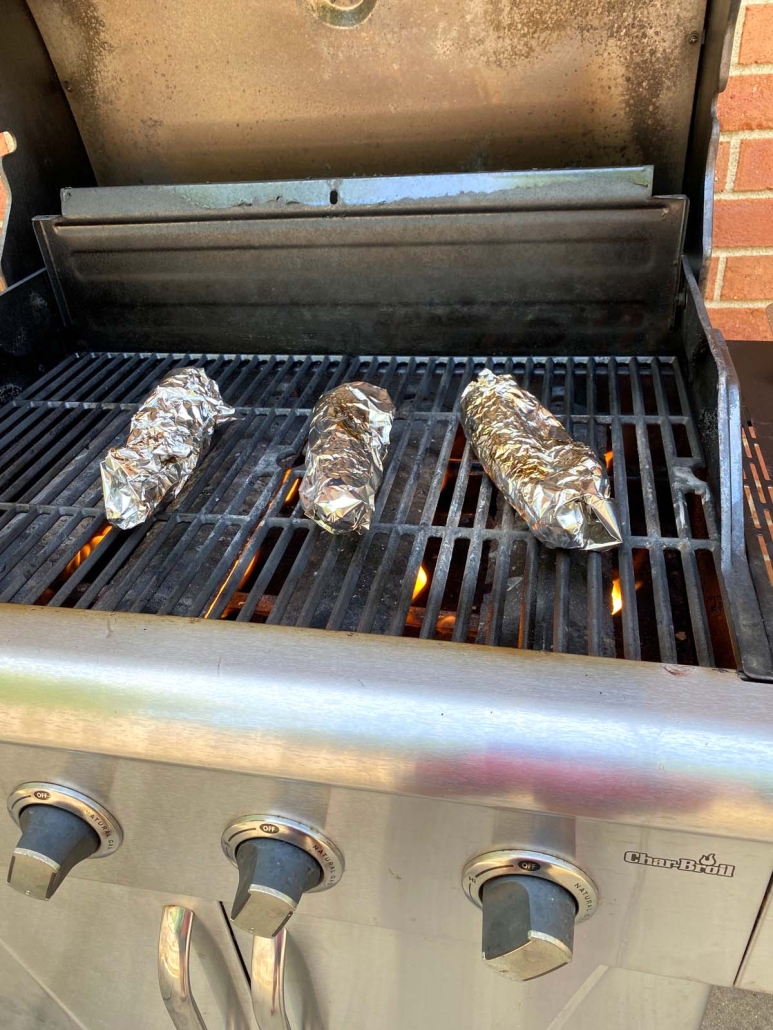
(738, 1010)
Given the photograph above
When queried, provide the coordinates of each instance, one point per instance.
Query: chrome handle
(276, 962)
(182, 933)
(174, 968)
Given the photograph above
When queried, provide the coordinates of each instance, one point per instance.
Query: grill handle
(175, 944)
(278, 965)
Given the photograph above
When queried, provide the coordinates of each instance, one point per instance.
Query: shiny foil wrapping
(348, 442)
(556, 483)
(168, 435)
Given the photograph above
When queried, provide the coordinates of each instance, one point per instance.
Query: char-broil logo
(705, 864)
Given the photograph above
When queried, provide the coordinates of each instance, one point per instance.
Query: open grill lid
(189, 92)
(245, 90)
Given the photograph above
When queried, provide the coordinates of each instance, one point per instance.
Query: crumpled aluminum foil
(168, 435)
(556, 483)
(348, 442)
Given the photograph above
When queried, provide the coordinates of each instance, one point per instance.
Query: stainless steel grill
(446, 558)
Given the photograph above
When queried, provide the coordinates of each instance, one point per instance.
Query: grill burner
(446, 558)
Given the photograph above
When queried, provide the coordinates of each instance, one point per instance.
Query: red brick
(741, 323)
(747, 103)
(711, 279)
(748, 278)
(757, 39)
(3, 151)
(720, 169)
(743, 223)
(755, 165)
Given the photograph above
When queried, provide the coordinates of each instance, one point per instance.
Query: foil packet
(168, 435)
(556, 483)
(348, 442)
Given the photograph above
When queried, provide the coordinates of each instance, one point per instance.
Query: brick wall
(739, 292)
(6, 147)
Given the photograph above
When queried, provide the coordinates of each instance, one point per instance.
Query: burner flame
(292, 491)
(86, 550)
(421, 581)
(617, 596)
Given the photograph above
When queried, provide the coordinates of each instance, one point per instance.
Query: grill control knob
(279, 860)
(273, 876)
(60, 828)
(528, 926)
(52, 842)
(530, 904)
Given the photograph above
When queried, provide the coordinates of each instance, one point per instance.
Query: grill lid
(189, 92)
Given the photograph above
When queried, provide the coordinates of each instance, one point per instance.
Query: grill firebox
(446, 557)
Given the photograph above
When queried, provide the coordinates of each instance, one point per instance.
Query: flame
(708, 859)
(617, 596)
(86, 550)
(250, 569)
(292, 491)
(421, 581)
(608, 459)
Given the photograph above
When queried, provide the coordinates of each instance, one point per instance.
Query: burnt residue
(238, 92)
(75, 33)
(633, 61)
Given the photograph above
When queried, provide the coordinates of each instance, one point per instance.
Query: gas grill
(279, 773)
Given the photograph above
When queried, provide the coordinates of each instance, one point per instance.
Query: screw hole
(334, 196)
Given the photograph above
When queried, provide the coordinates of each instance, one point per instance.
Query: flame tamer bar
(556, 483)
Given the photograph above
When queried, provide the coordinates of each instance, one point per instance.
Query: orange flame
(86, 550)
(421, 581)
(608, 459)
(292, 491)
(617, 596)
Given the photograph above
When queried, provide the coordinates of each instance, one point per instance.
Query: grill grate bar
(631, 643)
(71, 372)
(57, 374)
(30, 581)
(472, 566)
(268, 570)
(238, 555)
(12, 582)
(500, 577)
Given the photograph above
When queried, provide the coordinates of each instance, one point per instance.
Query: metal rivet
(693, 38)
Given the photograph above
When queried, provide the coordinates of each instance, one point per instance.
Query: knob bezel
(514, 862)
(274, 827)
(105, 825)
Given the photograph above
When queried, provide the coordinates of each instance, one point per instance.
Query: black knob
(528, 926)
(53, 840)
(273, 875)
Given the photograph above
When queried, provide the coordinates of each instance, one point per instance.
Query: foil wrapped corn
(168, 435)
(348, 442)
(556, 483)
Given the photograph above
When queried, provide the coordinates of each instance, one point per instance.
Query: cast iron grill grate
(446, 558)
